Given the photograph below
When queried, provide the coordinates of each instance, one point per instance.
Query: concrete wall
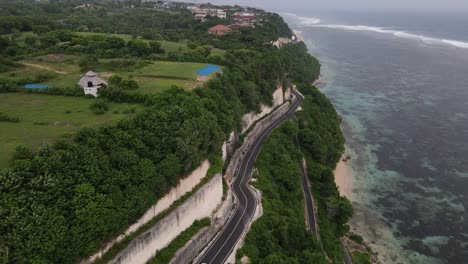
(184, 186)
(250, 118)
(229, 146)
(199, 242)
(249, 138)
(198, 206)
(279, 97)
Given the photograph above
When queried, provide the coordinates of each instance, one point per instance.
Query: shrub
(99, 107)
(357, 238)
(6, 118)
(155, 47)
(44, 76)
(88, 62)
(40, 123)
(7, 86)
(117, 81)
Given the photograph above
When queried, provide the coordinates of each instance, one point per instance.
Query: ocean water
(400, 81)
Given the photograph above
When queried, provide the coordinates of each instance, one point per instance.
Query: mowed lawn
(161, 75)
(45, 118)
(184, 70)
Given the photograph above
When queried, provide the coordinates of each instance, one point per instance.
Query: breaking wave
(304, 21)
(397, 33)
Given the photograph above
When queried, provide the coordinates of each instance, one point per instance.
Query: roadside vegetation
(166, 254)
(280, 235)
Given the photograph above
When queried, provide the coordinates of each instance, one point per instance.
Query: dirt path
(44, 67)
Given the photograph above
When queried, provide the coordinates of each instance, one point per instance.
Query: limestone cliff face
(198, 206)
(279, 97)
(184, 186)
(250, 118)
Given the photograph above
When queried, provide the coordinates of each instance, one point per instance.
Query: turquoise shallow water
(405, 108)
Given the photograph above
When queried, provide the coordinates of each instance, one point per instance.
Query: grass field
(64, 72)
(151, 85)
(173, 69)
(44, 119)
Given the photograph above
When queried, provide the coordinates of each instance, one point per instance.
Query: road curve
(225, 242)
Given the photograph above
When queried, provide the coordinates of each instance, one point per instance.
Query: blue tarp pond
(36, 86)
(208, 69)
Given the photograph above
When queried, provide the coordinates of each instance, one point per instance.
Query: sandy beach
(343, 178)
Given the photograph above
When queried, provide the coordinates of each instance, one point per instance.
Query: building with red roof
(219, 30)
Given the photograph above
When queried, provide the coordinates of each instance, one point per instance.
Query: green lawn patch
(171, 69)
(151, 85)
(44, 119)
(361, 258)
(166, 254)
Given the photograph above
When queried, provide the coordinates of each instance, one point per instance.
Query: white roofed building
(91, 83)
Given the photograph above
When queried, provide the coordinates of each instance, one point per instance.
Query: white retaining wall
(250, 118)
(184, 186)
(198, 206)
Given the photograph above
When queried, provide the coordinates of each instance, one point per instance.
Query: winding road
(309, 204)
(224, 243)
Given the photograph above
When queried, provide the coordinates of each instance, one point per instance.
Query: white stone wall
(250, 118)
(198, 206)
(185, 185)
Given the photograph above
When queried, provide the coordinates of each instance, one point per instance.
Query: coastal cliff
(61, 202)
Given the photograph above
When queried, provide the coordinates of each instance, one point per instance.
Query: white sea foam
(304, 21)
(398, 33)
(288, 14)
(456, 43)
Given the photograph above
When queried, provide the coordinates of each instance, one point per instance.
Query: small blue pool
(36, 86)
(208, 69)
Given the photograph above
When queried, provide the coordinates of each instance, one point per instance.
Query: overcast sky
(275, 4)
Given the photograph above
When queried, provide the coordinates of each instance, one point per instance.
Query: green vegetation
(176, 70)
(216, 163)
(322, 143)
(98, 107)
(361, 258)
(166, 254)
(45, 119)
(280, 235)
(7, 118)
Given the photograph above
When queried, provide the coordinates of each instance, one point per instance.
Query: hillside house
(219, 30)
(202, 13)
(244, 20)
(91, 83)
(244, 17)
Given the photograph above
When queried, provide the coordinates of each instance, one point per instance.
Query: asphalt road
(225, 242)
(309, 200)
(346, 257)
